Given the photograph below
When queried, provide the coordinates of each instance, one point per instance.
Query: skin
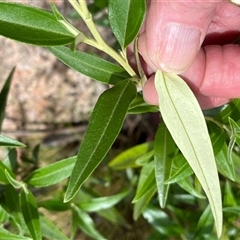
(198, 47)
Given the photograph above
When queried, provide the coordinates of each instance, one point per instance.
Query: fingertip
(149, 92)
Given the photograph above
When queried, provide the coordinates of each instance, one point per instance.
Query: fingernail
(178, 47)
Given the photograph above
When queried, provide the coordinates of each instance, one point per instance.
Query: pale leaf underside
(185, 121)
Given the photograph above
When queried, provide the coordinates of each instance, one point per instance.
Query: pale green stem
(81, 8)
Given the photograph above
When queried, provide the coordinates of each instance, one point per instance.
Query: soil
(44, 92)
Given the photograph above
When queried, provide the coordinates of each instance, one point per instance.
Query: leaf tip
(68, 197)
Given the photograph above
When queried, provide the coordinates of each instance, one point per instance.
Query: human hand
(194, 39)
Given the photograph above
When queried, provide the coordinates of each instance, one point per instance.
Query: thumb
(174, 32)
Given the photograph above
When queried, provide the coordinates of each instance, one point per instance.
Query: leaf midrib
(99, 140)
(164, 81)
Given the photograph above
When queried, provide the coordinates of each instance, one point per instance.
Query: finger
(226, 18)
(174, 32)
(225, 27)
(220, 70)
(151, 97)
(213, 76)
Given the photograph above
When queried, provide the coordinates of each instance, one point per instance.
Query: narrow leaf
(89, 65)
(11, 159)
(205, 223)
(143, 109)
(86, 224)
(12, 201)
(97, 204)
(15, 183)
(183, 172)
(217, 136)
(160, 221)
(127, 159)
(114, 216)
(30, 214)
(146, 182)
(145, 158)
(164, 150)
(235, 209)
(50, 231)
(235, 166)
(4, 216)
(228, 198)
(6, 235)
(224, 166)
(188, 187)
(3, 97)
(32, 25)
(9, 142)
(54, 205)
(51, 174)
(104, 126)
(235, 129)
(185, 121)
(3, 177)
(142, 203)
(231, 110)
(126, 19)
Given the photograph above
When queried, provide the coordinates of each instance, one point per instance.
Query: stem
(99, 43)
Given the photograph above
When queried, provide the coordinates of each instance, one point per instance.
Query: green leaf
(3, 97)
(139, 106)
(11, 159)
(224, 166)
(232, 110)
(217, 136)
(4, 216)
(114, 216)
(54, 204)
(13, 205)
(127, 159)
(65, 23)
(3, 177)
(164, 150)
(32, 25)
(9, 142)
(30, 214)
(185, 121)
(235, 166)
(86, 224)
(126, 18)
(205, 223)
(146, 182)
(52, 174)
(142, 203)
(15, 183)
(235, 130)
(228, 199)
(50, 231)
(6, 235)
(89, 65)
(183, 172)
(188, 187)
(235, 209)
(97, 204)
(143, 109)
(145, 158)
(162, 222)
(104, 126)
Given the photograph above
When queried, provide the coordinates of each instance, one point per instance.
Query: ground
(44, 92)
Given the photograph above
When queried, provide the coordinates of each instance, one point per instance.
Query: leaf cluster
(179, 167)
